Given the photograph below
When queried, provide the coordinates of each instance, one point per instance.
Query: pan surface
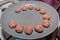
(29, 17)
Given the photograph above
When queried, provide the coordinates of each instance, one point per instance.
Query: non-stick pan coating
(29, 17)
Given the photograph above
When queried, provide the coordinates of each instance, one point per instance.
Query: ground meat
(17, 10)
(24, 8)
(28, 30)
(12, 24)
(19, 28)
(30, 7)
(46, 23)
(38, 28)
(37, 8)
(42, 11)
(46, 16)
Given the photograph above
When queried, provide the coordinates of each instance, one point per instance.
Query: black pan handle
(0, 38)
(3, 9)
(5, 2)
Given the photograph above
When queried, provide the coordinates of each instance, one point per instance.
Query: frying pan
(29, 17)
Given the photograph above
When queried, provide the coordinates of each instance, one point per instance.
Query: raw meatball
(38, 28)
(42, 11)
(24, 8)
(46, 16)
(28, 30)
(37, 8)
(19, 29)
(12, 24)
(46, 23)
(30, 7)
(17, 10)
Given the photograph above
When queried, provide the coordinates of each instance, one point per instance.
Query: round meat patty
(12, 24)
(28, 30)
(37, 8)
(46, 16)
(30, 7)
(38, 28)
(17, 10)
(42, 11)
(19, 28)
(46, 23)
(24, 8)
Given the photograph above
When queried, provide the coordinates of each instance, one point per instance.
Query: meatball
(46, 16)
(28, 30)
(46, 23)
(30, 7)
(42, 11)
(24, 8)
(12, 24)
(38, 28)
(19, 29)
(37, 8)
(17, 10)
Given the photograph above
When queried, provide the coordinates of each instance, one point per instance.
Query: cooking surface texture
(29, 17)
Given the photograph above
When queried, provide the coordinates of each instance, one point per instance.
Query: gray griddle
(29, 17)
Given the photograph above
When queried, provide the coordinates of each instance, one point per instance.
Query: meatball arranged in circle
(46, 16)
(37, 8)
(30, 7)
(42, 11)
(19, 28)
(12, 24)
(28, 30)
(17, 10)
(24, 8)
(38, 28)
(46, 23)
